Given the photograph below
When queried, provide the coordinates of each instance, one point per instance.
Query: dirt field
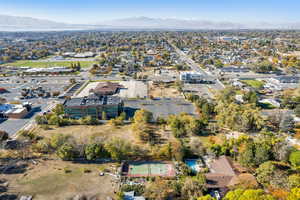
(84, 133)
(54, 179)
(47, 180)
(163, 91)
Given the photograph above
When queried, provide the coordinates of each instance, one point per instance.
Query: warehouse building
(94, 106)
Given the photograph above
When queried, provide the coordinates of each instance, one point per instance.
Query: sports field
(150, 169)
(43, 64)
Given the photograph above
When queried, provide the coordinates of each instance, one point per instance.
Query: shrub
(58, 140)
(3, 136)
(67, 170)
(42, 146)
(29, 135)
(66, 152)
(295, 158)
(85, 170)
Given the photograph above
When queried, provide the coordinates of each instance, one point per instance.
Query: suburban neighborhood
(148, 113)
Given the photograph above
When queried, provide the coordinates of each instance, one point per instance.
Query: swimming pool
(193, 164)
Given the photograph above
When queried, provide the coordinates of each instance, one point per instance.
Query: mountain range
(16, 23)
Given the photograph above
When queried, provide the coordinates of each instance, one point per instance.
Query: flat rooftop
(93, 101)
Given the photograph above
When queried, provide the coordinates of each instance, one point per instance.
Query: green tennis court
(146, 169)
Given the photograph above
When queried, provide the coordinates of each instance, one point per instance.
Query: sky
(93, 11)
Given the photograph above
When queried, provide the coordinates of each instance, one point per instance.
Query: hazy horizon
(93, 11)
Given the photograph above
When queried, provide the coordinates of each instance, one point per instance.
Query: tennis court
(150, 169)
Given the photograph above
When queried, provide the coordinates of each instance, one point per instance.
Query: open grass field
(42, 64)
(50, 180)
(254, 83)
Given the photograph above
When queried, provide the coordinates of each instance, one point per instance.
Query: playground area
(148, 169)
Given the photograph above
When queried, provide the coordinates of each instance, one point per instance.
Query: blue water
(192, 164)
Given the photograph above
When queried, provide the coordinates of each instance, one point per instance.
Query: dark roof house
(223, 175)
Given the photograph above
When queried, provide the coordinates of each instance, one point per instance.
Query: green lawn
(254, 83)
(37, 64)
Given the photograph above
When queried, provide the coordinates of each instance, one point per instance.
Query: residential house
(224, 174)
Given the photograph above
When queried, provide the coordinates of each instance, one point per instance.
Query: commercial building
(191, 77)
(14, 111)
(106, 88)
(93, 106)
(286, 79)
(235, 70)
(48, 70)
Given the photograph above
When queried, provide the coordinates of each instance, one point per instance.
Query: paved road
(195, 67)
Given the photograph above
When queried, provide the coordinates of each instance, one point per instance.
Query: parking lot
(160, 107)
(15, 85)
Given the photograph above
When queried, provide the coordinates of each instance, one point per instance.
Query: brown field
(47, 180)
(84, 133)
(164, 91)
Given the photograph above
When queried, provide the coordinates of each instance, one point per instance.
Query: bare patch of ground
(49, 180)
(159, 91)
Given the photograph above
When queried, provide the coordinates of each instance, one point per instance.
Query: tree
(143, 116)
(196, 147)
(89, 120)
(192, 188)
(59, 109)
(118, 149)
(297, 110)
(3, 136)
(66, 152)
(178, 126)
(246, 156)
(281, 151)
(239, 117)
(251, 97)
(104, 115)
(55, 120)
(226, 95)
(270, 174)
(42, 146)
(295, 159)
(58, 140)
(195, 126)
(165, 152)
(294, 181)
(144, 132)
(159, 190)
(41, 119)
(123, 116)
(265, 172)
(92, 151)
(218, 63)
(206, 197)
(294, 194)
(262, 153)
(287, 124)
(251, 194)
